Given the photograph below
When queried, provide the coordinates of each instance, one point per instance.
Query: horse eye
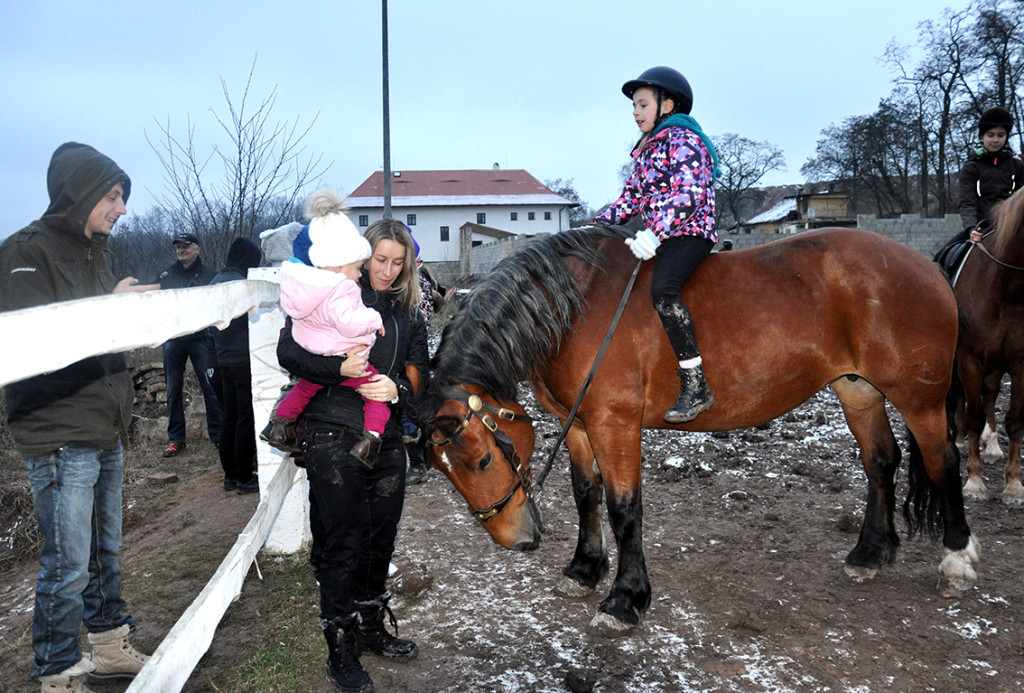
(485, 461)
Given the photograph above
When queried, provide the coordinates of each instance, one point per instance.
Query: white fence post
(291, 529)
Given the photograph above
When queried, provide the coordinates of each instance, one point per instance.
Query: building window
(410, 220)
(444, 234)
(547, 216)
(364, 219)
(481, 217)
(531, 216)
(515, 216)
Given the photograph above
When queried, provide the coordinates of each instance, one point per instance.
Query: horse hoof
(608, 626)
(957, 574)
(859, 573)
(1013, 494)
(976, 489)
(570, 589)
(953, 588)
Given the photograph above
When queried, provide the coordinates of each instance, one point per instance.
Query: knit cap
(334, 239)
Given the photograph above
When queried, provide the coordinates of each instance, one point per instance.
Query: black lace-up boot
(694, 396)
(343, 667)
(374, 636)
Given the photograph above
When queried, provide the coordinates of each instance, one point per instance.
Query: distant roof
(780, 211)
(483, 186)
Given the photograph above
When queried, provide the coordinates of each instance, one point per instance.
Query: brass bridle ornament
(487, 414)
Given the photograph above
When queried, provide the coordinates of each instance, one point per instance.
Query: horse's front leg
(589, 564)
(618, 454)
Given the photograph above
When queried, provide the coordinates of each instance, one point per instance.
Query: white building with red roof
(437, 205)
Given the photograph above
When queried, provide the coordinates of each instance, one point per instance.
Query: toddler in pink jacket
(328, 318)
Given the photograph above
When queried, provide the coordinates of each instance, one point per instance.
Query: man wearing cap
(70, 425)
(188, 271)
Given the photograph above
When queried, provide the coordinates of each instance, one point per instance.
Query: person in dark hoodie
(70, 425)
(237, 423)
(189, 270)
(992, 173)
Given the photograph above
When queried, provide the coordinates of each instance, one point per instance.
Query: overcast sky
(526, 84)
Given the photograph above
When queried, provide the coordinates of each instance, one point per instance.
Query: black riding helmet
(995, 117)
(664, 79)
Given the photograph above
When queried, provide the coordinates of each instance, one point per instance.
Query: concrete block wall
(924, 235)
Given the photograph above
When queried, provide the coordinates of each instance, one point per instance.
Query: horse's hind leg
(864, 407)
(935, 499)
(590, 562)
(1013, 493)
(979, 402)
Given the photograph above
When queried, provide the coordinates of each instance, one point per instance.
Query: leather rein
(487, 414)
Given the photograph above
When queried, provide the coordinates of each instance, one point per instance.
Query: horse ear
(421, 407)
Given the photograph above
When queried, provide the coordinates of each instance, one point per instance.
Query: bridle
(476, 407)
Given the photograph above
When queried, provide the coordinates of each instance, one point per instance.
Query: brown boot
(366, 449)
(280, 433)
(114, 656)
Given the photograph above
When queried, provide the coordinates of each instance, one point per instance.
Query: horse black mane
(516, 318)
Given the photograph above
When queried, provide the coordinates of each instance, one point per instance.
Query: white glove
(645, 245)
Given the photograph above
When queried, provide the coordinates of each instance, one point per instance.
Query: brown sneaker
(173, 449)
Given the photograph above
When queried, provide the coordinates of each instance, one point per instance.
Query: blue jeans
(76, 495)
(177, 352)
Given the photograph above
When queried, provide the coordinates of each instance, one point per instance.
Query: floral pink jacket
(327, 311)
(671, 185)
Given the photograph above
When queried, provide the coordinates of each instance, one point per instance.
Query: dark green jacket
(50, 261)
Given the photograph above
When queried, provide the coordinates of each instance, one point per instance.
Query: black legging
(676, 260)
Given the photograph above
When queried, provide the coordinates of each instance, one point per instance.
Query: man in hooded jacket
(69, 426)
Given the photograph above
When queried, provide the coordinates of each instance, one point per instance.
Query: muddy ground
(745, 535)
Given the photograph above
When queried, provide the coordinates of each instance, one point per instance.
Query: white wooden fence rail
(43, 339)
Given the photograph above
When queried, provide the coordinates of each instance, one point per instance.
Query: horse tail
(923, 508)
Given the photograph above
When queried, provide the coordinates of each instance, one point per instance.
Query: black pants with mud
(677, 259)
(353, 516)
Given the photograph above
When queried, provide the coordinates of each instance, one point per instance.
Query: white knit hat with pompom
(334, 239)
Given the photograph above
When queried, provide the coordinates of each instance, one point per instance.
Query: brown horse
(849, 309)
(990, 292)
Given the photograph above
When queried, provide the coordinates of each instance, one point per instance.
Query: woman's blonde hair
(407, 287)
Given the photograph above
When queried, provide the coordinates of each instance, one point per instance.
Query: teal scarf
(685, 121)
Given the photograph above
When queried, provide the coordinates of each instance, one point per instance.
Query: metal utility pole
(387, 117)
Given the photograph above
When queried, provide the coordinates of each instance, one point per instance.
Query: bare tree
(743, 163)
(872, 154)
(238, 189)
(581, 213)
